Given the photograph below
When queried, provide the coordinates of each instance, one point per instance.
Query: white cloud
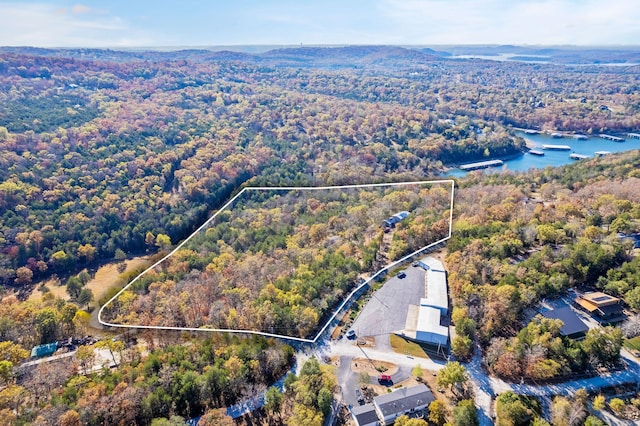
(588, 22)
(80, 9)
(46, 25)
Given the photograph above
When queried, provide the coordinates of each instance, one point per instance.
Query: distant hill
(349, 55)
(353, 56)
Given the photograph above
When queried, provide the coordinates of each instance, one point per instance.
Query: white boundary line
(335, 312)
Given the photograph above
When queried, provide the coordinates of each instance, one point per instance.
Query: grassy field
(108, 275)
(54, 287)
(633, 344)
(406, 347)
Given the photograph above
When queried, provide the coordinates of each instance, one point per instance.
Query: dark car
(359, 397)
(351, 334)
(401, 274)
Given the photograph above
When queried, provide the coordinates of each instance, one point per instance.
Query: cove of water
(552, 158)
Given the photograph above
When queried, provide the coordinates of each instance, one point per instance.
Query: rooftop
(429, 321)
(481, 164)
(403, 400)
(364, 414)
(44, 350)
(436, 290)
(401, 215)
(599, 299)
(572, 323)
(432, 263)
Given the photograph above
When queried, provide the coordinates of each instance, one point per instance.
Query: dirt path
(370, 366)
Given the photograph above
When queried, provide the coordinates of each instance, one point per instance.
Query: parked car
(384, 379)
(359, 397)
(415, 264)
(401, 274)
(351, 334)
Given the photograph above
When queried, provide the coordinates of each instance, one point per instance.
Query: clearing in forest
(283, 261)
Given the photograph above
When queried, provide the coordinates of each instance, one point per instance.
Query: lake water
(555, 158)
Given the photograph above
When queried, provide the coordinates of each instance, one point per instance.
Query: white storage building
(428, 328)
(437, 296)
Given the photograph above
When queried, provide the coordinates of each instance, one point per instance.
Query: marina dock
(557, 147)
(611, 138)
(634, 135)
(580, 137)
(575, 156)
(481, 165)
(536, 152)
(601, 153)
(557, 135)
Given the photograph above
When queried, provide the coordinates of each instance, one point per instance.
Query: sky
(181, 23)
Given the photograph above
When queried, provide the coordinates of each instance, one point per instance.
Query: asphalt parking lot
(386, 311)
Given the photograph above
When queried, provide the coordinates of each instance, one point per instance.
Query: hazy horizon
(120, 24)
(261, 48)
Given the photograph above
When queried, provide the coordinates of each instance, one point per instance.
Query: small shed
(44, 350)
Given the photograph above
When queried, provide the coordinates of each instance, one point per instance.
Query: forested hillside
(280, 261)
(519, 238)
(97, 154)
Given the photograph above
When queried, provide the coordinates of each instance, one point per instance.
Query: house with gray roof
(365, 415)
(402, 401)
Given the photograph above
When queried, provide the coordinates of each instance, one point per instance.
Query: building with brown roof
(605, 308)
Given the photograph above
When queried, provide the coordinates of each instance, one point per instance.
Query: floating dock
(601, 153)
(557, 147)
(611, 138)
(580, 137)
(536, 152)
(531, 132)
(575, 156)
(634, 135)
(557, 135)
(481, 165)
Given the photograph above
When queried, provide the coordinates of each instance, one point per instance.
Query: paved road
(387, 309)
(485, 387)
(47, 359)
(347, 350)
(348, 381)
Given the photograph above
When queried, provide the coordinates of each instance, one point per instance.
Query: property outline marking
(335, 312)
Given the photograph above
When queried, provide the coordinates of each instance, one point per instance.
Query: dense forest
(99, 152)
(104, 155)
(183, 379)
(280, 260)
(519, 238)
